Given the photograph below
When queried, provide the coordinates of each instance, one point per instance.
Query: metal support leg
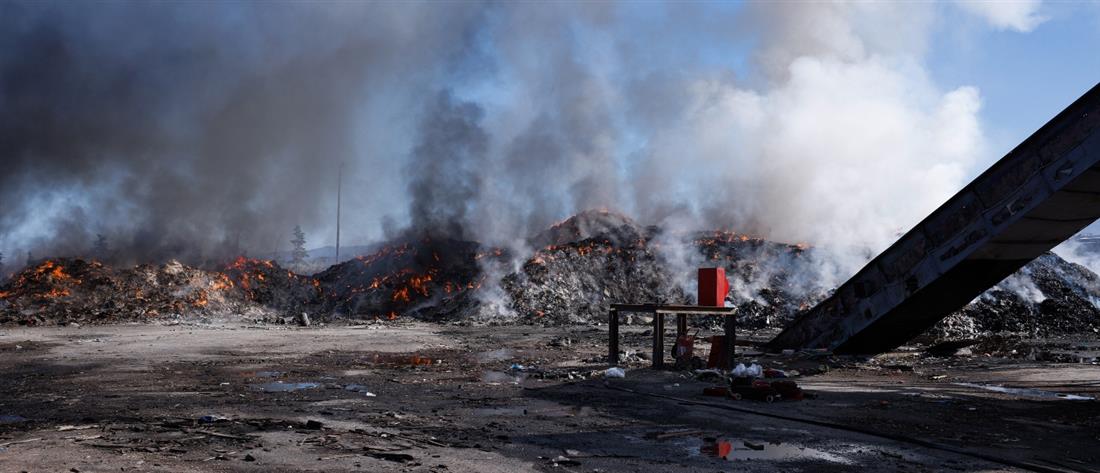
(658, 340)
(613, 337)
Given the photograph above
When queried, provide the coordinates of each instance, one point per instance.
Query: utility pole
(339, 185)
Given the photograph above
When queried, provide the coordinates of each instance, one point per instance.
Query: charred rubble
(579, 267)
(1048, 297)
(423, 277)
(74, 290)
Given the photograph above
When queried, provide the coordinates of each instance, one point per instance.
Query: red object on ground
(789, 390)
(713, 287)
(724, 448)
(717, 391)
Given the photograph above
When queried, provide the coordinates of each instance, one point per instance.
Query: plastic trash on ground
(614, 373)
(752, 371)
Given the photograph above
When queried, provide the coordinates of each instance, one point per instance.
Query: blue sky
(1025, 78)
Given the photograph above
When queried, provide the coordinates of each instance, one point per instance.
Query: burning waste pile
(597, 258)
(582, 265)
(427, 278)
(74, 290)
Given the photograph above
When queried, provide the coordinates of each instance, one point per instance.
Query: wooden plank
(673, 309)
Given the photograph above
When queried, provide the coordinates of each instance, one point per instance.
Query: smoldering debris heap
(581, 265)
(1048, 297)
(74, 290)
(427, 276)
(611, 259)
(266, 285)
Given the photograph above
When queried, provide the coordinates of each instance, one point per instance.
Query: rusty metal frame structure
(1040, 194)
(659, 310)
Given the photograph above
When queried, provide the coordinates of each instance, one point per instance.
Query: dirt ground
(421, 397)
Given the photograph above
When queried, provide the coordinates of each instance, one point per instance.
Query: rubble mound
(74, 290)
(590, 261)
(589, 225)
(427, 275)
(1048, 297)
(769, 281)
(265, 283)
(575, 282)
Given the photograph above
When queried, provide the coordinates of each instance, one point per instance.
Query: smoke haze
(198, 131)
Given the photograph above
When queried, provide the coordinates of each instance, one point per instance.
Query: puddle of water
(12, 419)
(500, 377)
(734, 449)
(281, 387)
(398, 359)
(1028, 392)
(359, 388)
(519, 411)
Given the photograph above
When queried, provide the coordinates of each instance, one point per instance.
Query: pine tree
(299, 254)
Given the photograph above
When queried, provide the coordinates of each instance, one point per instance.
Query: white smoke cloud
(815, 123)
(845, 149)
(1076, 250)
(1016, 15)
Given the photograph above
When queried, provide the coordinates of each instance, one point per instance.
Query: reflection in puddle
(281, 387)
(733, 449)
(399, 360)
(563, 411)
(1028, 392)
(359, 388)
(10, 419)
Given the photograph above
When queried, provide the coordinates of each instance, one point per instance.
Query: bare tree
(298, 254)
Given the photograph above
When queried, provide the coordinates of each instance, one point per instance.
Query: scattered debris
(393, 457)
(614, 372)
(1028, 392)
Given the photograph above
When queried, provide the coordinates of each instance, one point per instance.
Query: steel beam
(1043, 192)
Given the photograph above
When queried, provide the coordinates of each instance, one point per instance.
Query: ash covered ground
(575, 269)
(220, 379)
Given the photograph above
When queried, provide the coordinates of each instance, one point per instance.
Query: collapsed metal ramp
(1043, 192)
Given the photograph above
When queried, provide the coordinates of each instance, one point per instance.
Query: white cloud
(1016, 15)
